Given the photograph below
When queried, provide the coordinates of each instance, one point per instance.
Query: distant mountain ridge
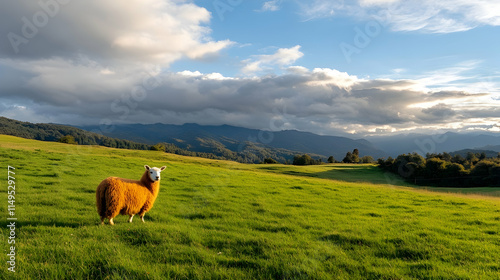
(252, 145)
(491, 148)
(464, 152)
(196, 137)
(445, 142)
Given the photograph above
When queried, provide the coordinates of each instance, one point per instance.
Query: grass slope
(223, 220)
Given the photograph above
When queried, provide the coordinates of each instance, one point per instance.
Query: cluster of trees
(354, 158)
(68, 139)
(349, 158)
(270, 161)
(445, 170)
(173, 149)
(306, 160)
(63, 133)
(248, 153)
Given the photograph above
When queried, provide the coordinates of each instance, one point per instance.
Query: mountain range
(211, 139)
(207, 139)
(252, 145)
(449, 142)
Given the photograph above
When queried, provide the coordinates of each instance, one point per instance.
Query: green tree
(435, 168)
(270, 161)
(348, 158)
(408, 165)
(472, 158)
(302, 160)
(446, 157)
(389, 162)
(305, 160)
(159, 147)
(355, 156)
(482, 156)
(458, 159)
(68, 139)
(331, 159)
(367, 159)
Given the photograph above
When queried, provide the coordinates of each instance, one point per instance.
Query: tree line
(64, 134)
(350, 157)
(445, 170)
(250, 152)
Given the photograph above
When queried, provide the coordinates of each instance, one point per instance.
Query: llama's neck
(153, 187)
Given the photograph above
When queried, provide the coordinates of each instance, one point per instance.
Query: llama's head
(154, 172)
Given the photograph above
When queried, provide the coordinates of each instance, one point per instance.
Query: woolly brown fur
(125, 196)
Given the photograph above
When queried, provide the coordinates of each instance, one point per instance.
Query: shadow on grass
(354, 173)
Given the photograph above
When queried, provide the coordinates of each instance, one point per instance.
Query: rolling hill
(53, 132)
(208, 148)
(224, 220)
(222, 142)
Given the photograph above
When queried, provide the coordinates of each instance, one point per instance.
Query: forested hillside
(445, 170)
(54, 132)
(246, 152)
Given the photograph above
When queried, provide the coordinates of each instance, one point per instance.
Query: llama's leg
(112, 212)
(130, 219)
(143, 212)
(102, 220)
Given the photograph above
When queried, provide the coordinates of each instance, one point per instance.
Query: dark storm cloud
(318, 100)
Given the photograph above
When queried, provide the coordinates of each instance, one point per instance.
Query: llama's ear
(147, 167)
(163, 168)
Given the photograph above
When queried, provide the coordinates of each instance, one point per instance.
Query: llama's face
(154, 172)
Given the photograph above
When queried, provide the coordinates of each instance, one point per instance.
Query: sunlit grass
(224, 220)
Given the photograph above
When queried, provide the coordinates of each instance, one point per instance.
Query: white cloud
(282, 57)
(377, 2)
(272, 6)
(113, 32)
(321, 100)
(430, 16)
(319, 8)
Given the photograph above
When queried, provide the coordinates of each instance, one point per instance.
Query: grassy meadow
(224, 220)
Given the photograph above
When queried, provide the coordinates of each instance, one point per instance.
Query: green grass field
(224, 220)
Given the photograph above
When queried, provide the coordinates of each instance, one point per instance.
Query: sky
(350, 68)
